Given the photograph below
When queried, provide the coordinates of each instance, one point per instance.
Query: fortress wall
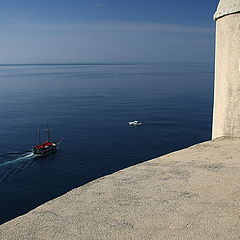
(226, 115)
(189, 194)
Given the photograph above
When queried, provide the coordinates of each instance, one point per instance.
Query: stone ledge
(189, 194)
(227, 7)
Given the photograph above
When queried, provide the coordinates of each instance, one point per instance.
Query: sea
(90, 105)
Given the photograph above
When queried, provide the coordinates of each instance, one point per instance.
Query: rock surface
(190, 194)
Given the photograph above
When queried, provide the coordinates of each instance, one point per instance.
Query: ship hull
(44, 152)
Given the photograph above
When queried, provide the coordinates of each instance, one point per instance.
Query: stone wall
(226, 115)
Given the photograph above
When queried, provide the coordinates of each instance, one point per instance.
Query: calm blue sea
(90, 106)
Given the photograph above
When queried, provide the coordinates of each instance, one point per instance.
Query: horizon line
(99, 63)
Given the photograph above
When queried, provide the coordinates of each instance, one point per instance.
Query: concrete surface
(226, 7)
(226, 114)
(190, 194)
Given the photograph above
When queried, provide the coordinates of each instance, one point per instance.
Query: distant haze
(109, 31)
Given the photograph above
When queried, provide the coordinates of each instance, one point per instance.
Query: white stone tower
(226, 113)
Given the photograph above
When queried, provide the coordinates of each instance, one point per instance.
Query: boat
(135, 123)
(44, 148)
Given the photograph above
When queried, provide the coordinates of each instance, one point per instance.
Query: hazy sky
(62, 31)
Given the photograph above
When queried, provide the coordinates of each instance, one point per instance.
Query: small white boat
(135, 123)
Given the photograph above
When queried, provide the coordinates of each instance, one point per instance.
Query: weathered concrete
(190, 194)
(226, 115)
(226, 7)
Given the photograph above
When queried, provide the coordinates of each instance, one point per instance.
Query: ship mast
(48, 135)
(39, 137)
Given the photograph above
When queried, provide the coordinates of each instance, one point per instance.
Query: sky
(106, 31)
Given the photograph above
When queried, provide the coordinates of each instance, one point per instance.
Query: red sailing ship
(46, 147)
